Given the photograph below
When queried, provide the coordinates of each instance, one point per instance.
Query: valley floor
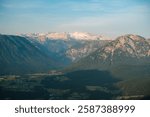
(83, 85)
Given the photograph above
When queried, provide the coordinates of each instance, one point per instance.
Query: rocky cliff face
(69, 47)
(125, 50)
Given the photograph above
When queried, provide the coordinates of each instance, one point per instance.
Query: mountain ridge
(69, 47)
(66, 36)
(118, 69)
(125, 50)
(18, 55)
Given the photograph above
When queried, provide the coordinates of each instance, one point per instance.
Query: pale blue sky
(108, 17)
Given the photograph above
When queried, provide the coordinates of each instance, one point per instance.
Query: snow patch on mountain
(87, 36)
(66, 36)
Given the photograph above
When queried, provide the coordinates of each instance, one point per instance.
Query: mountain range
(74, 66)
(125, 50)
(65, 36)
(68, 47)
(127, 59)
(76, 50)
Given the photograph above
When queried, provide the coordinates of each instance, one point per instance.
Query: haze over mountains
(74, 66)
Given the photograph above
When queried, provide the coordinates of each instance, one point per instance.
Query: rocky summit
(125, 50)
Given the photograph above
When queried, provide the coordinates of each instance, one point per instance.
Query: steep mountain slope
(127, 59)
(119, 69)
(125, 50)
(68, 47)
(18, 55)
(83, 48)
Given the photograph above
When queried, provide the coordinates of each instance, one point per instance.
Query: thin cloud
(96, 16)
(132, 21)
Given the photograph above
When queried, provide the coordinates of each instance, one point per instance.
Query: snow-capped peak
(56, 35)
(66, 36)
(86, 36)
